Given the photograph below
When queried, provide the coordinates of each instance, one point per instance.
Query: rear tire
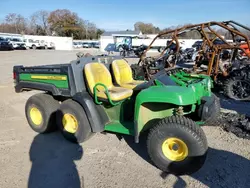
(40, 111)
(73, 122)
(33, 47)
(215, 114)
(189, 139)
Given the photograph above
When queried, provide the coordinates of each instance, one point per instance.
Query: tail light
(14, 78)
(14, 75)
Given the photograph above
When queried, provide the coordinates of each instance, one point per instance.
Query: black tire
(160, 49)
(215, 113)
(33, 47)
(83, 131)
(47, 106)
(186, 130)
(120, 48)
(45, 47)
(229, 87)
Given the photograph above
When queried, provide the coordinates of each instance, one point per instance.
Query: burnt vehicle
(140, 50)
(126, 50)
(215, 57)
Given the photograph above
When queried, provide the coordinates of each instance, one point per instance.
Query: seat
(97, 73)
(123, 74)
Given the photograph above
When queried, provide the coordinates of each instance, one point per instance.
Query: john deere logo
(39, 77)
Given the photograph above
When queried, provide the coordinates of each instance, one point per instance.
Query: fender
(95, 113)
(149, 103)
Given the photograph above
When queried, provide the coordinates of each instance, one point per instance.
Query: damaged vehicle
(215, 57)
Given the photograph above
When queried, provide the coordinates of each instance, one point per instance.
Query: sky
(122, 14)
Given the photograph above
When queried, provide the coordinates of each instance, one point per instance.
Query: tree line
(149, 28)
(60, 22)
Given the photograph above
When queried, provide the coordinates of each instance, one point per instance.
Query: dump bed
(59, 79)
(51, 78)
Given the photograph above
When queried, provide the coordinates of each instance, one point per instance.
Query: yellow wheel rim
(36, 116)
(174, 149)
(70, 123)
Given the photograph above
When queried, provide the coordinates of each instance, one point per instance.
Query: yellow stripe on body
(48, 77)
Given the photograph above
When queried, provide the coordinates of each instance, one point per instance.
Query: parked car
(5, 45)
(218, 42)
(17, 43)
(86, 45)
(198, 44)
(33, 44)
(95, 44)
(77, 45)
(47, 45)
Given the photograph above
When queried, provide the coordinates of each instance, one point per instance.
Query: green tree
(146, 28)
(64, 22)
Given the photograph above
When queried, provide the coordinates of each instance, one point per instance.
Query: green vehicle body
(130, 116)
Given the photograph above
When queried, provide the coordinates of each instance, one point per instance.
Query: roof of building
(110, 33)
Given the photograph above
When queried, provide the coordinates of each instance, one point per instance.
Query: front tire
(73, 122)
(40, 111)
(177, 145)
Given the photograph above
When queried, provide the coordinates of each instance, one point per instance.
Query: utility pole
(86, 28)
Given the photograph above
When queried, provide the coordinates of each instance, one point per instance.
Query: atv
(227, 63)
(96, 94)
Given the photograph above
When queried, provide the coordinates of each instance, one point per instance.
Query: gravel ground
(31, 160)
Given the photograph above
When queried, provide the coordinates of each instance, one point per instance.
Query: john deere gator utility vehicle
(97, 94)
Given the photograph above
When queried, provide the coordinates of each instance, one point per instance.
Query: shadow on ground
(221, 169)
(52, 159)
(140, 148)
(238, 106)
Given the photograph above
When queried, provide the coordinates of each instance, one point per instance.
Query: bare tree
(17, 21)
(39, 22)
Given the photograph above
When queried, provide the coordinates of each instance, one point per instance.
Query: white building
(61, 43)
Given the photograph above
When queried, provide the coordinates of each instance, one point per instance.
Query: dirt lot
(31, 160)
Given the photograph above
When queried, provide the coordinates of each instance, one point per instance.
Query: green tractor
(97, 94)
